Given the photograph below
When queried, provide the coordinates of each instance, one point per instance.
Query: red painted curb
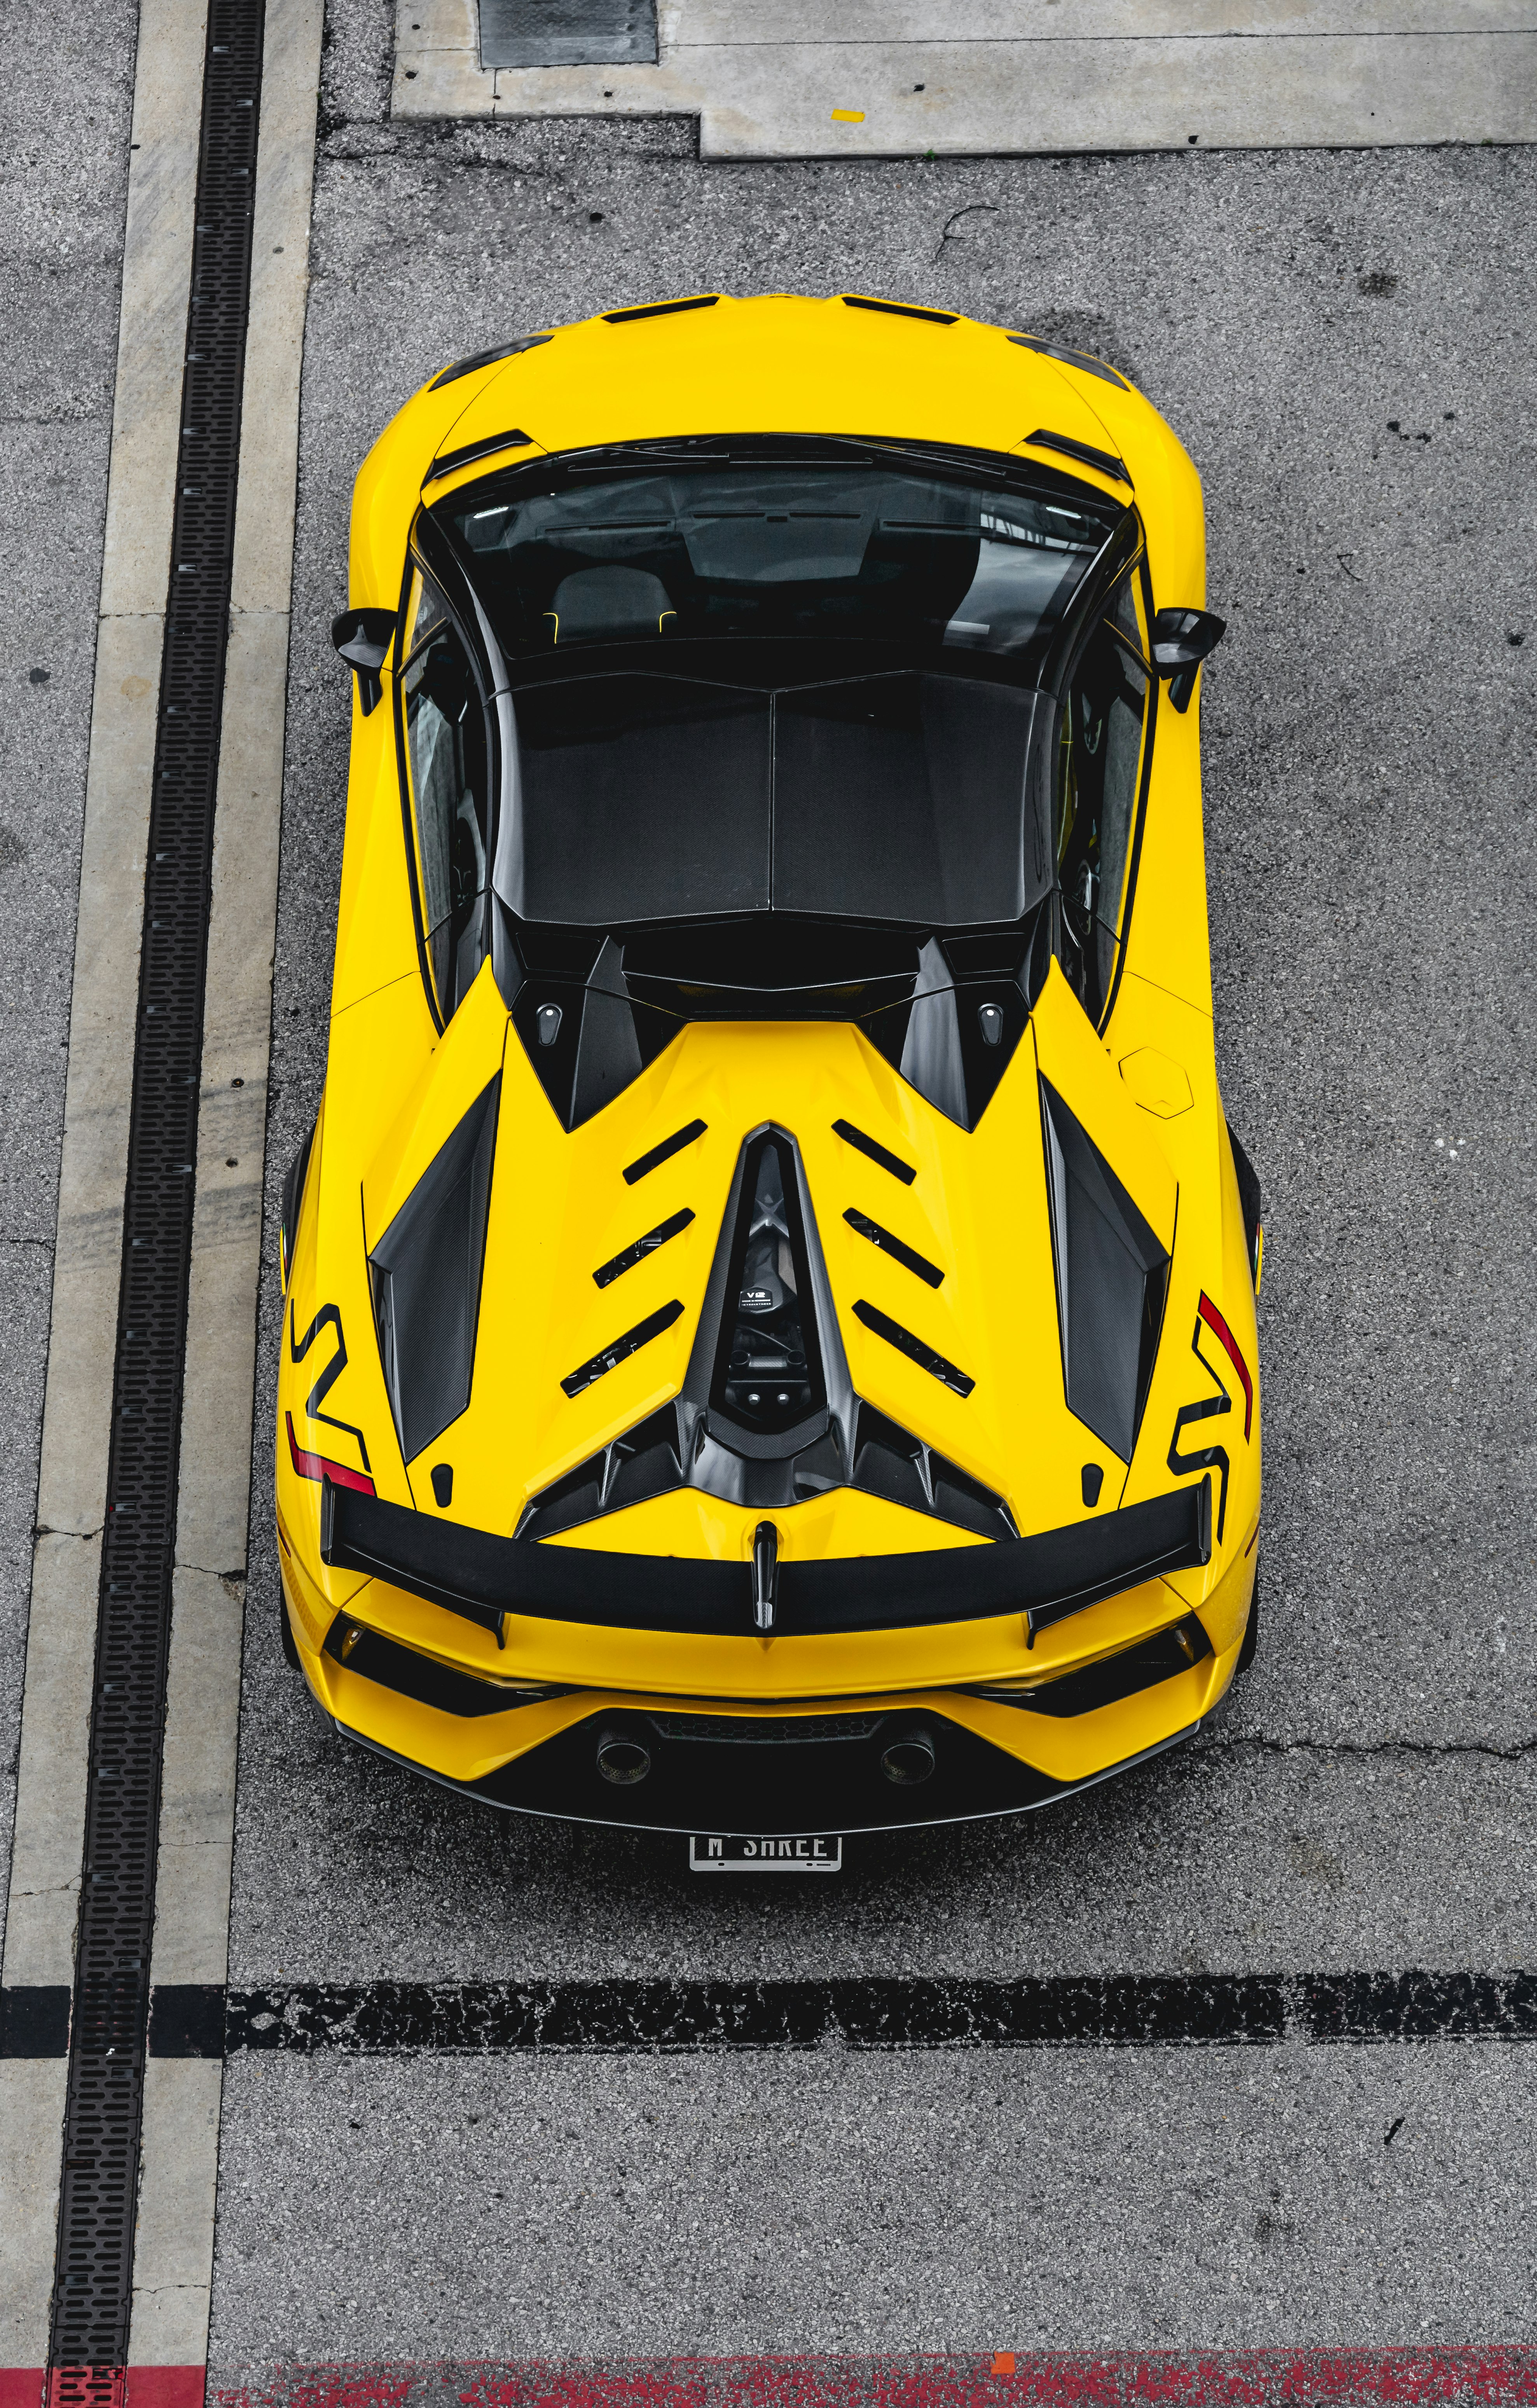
(102, 2386)
(1322, 2378)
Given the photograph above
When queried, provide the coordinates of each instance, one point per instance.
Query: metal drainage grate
(93, 2277)
(568, 33)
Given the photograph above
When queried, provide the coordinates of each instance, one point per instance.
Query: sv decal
(1211, 1327)
(328, 1317)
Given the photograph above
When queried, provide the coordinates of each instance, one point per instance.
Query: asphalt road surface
(1341, 342)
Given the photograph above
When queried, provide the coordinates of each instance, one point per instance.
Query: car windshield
(797, 684)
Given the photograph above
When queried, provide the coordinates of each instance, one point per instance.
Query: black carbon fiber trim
(105, 2096)
(1090, 454)
(1044, 1577)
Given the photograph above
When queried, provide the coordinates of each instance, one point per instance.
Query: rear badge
(811, 1853)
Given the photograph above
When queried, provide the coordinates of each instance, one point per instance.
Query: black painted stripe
(104, 2094)
(615, 1268)
(917, 1350)
(871, 1147)
(896, 1248)
(1160, 2011)
(665, 1152)
(1064, 2011)
(1421, 2006)
(34, 2020)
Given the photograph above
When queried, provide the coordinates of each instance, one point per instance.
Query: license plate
(711, 1852)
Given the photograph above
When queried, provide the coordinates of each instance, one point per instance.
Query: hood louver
(1112, 1279)
(425, 1274)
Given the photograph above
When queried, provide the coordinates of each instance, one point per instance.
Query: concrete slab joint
(965, 75)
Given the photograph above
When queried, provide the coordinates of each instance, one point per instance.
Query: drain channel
(94, 2278)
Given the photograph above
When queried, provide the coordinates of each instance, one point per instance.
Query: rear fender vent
(1111, 1280)
(425, 1275)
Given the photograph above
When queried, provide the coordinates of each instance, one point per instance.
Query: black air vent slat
(1071, 449)
(659, 310)
(457, 368)
(1085, 360)
(1114, 1677)
(622, 1349)
(764, 1730)
(900, 309)
(615, 1268)
(446, 462)
(899, 1251)
(410, 1674)
(665, 1152)
(871, 1147)
(917, 1350)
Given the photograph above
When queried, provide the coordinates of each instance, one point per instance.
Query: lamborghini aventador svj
(769, 1343)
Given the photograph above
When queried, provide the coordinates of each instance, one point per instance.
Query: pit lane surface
(1330, 335)
(1333, 337)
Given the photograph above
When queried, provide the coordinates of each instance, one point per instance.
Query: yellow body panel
(1143, 1086)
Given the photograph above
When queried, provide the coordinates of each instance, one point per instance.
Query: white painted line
(48, 1841)
(969, 77)
(173, 2249)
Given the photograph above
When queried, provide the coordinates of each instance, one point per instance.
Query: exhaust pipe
(908, 1755)
(622, 1758)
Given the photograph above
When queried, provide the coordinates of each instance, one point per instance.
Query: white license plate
(709, 1852)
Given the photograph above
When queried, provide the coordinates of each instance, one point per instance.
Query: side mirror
(1181, 641)
(363, 639)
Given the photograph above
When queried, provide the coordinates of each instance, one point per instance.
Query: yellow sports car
(769, 1343)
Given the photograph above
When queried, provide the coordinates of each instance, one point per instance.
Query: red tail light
(320, 1467)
